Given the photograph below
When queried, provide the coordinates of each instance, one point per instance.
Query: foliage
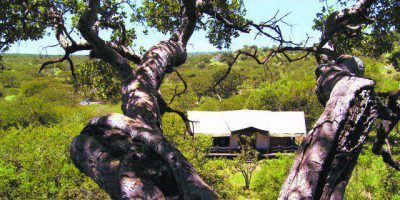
(204, 61)
(395, 60)
(42, 168)
(374, 39)
(225, 57)
(217, 172)
(10, 79)
(97, 79)
(229, 86)
(201, 87)
(373, 179)
(269, 179)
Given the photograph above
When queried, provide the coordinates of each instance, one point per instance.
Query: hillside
(40, 114)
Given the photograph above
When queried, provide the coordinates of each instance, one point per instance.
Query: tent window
(221, 141)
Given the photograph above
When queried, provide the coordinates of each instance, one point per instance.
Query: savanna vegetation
(40, 114)
(142, 151)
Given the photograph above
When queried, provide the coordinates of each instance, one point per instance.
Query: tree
(230, 84)
(328, 154)
(107, 150)
(128, 156)
(201, 86)
(247, 160)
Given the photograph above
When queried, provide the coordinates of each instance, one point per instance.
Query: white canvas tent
(270, 125)
(223, 123)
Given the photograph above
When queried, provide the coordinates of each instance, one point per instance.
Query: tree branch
(88, 31)
(390, 113)
(182, 92)
(183, 117)
(65, 57)
(230, 65)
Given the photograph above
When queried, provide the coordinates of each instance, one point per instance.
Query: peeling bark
(328, 154)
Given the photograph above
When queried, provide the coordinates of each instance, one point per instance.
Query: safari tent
(274, 131)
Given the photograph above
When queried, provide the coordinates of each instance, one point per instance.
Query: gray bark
(328, 154)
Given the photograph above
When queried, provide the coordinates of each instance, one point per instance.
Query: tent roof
(278, 124)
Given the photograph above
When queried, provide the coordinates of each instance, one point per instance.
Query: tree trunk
(246, 180)
(328, 154)
(127, 155)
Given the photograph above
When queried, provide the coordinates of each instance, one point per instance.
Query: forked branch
(178, 94)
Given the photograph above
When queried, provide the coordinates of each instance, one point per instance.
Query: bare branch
(230, 65)
(183, 117)
(65, 57)
(182, 92)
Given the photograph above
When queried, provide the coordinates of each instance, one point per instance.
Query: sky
(302, 13)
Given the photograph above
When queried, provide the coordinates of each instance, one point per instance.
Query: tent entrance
(221, 141)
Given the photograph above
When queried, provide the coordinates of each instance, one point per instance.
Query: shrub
(10, 79)
(49, 90)
(28, 111)
(225, 57)
(269, 179)
(373, 179)
(201, 65)
(205, 59)
(229, 85)
(33, 87)
(394, 59)
(216, 172)
(35, 164)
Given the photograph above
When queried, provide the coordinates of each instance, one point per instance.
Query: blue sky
(302, 13)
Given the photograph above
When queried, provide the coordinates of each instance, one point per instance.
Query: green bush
(269, 179)
(373, 179)
(35, 164)
(34, 87)
(229, 86)
(217, 172)
(10, 79)
(28, 111)
(201, 65)
(394, 59)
